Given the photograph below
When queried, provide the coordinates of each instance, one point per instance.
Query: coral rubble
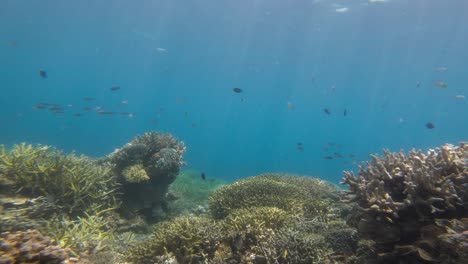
(401, 198)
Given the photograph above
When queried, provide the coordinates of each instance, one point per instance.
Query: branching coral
(398, 194)
(189, 239)
(72, 182)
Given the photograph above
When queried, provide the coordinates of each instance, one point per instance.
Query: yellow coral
(135, 174)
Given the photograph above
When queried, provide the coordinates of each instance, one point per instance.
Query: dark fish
(430, 125)
(418, 84)
(88, 108)
(345, 112)
(203, 176)
(115, 88)
(39, 106)
(324, 149)
(43, 74)
(337, 155)
(328, 157)
(55, 108)
(237, 90)
(193, 124)
(105, 112)
(77, 115)
(352, 156)
(186, 114)
(300, 146)
(327, 111)
(88, 99)
(330, 144)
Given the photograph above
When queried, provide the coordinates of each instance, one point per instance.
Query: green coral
(295, 194)
(188, 238)
(253, 192)
(135, 174)
(75, 183)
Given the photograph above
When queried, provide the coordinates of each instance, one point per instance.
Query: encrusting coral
(400, 196)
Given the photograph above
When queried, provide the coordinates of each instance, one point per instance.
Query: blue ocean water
(177, 62)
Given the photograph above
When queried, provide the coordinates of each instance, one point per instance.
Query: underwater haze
(322, 84)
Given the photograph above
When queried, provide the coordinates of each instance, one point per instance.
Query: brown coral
(399, 195)
(30, 247)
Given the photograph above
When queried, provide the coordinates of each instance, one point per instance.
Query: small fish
(418, 84)
(203, 176)
(430, 125)
(441, 69)
(55, 108)
(127, 114)
(43, 74)
(352, 156)
(333, 88)
(242, 99)
(300, 146)
(324, 149)
(330, 144)
(327, 111)
(186, 114)
(440, 84)
(101, 112)
(88, 99)
(124, 102)
(77, 115)
(39, 106)
(193, 124)
(290, 106)
(328, 157)
(115, 88)
(345, 112)
(237, 90)
(87, 109)
(460, 97)
(161, 50)
(337, 155)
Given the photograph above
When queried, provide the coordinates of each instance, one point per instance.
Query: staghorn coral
(146, 166)
(31, 247)
(72, 182)
(397, 196)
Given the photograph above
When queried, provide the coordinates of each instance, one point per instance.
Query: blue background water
(374, 54)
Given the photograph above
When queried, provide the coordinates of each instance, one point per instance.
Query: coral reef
(399, 198)
(296, 194)
(31, 247)
(189, 193)
(189, 239)
(262, 219)
(146, 166)
(74, 183)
